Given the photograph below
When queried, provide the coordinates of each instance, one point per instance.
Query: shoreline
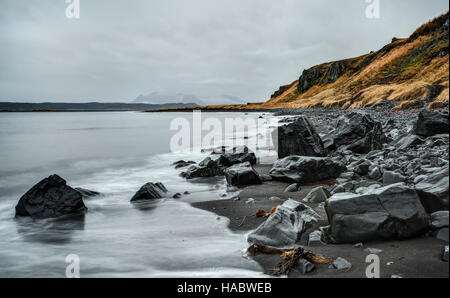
(412, 258)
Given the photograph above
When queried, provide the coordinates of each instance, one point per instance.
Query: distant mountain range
(160, 98)
(89, 106)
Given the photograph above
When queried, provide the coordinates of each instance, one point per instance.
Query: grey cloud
(120, 49)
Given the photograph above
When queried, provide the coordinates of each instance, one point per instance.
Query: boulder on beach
(285, 226)
(430, 123)
(391, 212)
(236, 156)
(299, 138)
(242, 175)
(317, 195)
(150, 191)
(298, 169)
(356, 132)
(50, 198)
(207, 168)
(433, 191)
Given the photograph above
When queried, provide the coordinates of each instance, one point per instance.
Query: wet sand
(412, 258)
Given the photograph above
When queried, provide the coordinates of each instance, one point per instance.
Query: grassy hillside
(407, 72)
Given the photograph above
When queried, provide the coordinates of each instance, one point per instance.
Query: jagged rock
(50, 198)
(341, 264)
(297, 169)
(391, 212)
(292, 188)
(242, 175)
(305, 267)
(408, 141)
(150, 191)
(375, 173)
(237, 156)
(317, 195)
(357, 132)
(442, 234)
(285, 226)
(392, 178)
(439, 220)
(182, 164)
(334, 72)
(299, 138)
(362, 168)
(315, 239)
(373, 251)
(308, 78)
(445, 254)
(433, 191)
(86, 193)
(431, 123)
(207, 168)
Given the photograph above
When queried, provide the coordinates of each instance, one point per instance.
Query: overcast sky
(119, 49)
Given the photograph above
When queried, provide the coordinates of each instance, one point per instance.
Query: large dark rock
(242, 175)
(150, 191)
(86, 193)
(391, 212)
(299, 138)
(334, 72)
(298, 169)
(207, 168)
(431, 123)
(433, 191)
(285, 226)
(236, 156)
(356, 132)
(308, 79)
(50, 198)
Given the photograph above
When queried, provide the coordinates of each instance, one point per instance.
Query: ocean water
(115, 153)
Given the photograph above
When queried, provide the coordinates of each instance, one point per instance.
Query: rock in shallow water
(237, 156)
(50, 198)
(297, 169)
(150, 191)
(285, 226)
(391, 212)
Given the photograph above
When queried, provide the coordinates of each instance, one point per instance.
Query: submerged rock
(297, 169)
(299, 138)
(150, 191)
(431, 123)
(285, 226)
(391, 212)
(242, 175)
(207, 168)
(237, 156)
(50, 198)
(86, 193)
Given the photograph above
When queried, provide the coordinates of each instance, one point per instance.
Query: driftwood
(289, 257)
